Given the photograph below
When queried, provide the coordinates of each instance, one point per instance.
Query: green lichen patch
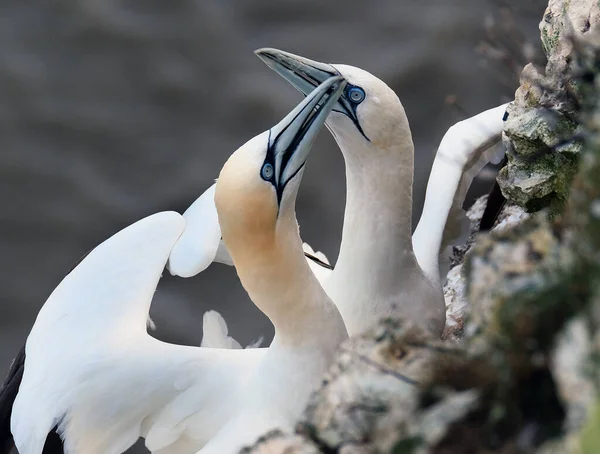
(549, 40)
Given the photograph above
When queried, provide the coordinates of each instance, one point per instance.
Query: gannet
(382, 269)
(91, 368)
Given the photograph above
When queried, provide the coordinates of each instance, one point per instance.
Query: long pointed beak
(291, 139)
(305, 75)
(302, 73)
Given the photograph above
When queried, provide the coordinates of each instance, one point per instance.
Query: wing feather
(465, 149)
(8, 392)
(99, 308)
(215, 332)
(201, 241)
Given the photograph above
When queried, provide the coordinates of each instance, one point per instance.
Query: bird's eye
(356, 95)
(267, 171)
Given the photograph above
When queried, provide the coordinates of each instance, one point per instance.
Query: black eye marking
(353, 96)
(267, 171)
(505, 117)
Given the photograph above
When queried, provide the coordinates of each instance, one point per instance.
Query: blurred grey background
(111, 110)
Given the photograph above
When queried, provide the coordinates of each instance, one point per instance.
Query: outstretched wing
(8, 392)
(92, 371)
(100, 308)
(200, 244)
(465, 149)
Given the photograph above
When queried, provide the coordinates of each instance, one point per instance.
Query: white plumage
(92, 368)
(466, 148)
(215, 333)
(382, 269)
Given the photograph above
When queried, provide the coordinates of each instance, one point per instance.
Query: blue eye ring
(356, 95)
(267, 172)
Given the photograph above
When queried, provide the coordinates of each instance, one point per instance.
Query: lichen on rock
(563, 21)
(541, 133)
(509, 266)
(368, 395)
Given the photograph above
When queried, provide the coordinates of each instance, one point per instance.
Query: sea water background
(111, 110)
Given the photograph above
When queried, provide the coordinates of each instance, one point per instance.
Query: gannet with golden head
(92, 370)
(382, 269)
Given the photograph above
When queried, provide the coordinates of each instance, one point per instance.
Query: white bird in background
(382, 269)
(92, 369)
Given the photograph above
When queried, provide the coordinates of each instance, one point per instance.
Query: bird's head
(368, 112)
(256, 191)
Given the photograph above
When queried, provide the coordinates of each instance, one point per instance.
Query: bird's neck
(281, 284)
(376, 238)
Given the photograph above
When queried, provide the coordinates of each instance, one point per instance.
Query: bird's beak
(305, 75)
(291, 139)
(302, 73)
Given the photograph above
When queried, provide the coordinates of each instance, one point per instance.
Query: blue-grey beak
(305, 75)
(291, 139)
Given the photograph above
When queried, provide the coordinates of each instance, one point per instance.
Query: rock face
(455, 288)
(563, 17)
(277, 442)
(540, 168)
(371, 388)
(506, 265)
(541, 129)
(369, 400)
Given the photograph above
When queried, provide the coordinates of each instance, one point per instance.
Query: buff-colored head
(368, 112)
(256, 190)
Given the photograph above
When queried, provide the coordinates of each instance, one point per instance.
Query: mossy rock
(534, 130)
(515, 282)
(540, 182)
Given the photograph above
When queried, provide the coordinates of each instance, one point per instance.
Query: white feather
(376, 273)
(222, 255)
(465, 149)
(215, 332)
(198, 246)
(103, 301)
(92, 369)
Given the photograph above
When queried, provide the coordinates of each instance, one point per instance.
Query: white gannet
(382, 269)
(91, 368)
